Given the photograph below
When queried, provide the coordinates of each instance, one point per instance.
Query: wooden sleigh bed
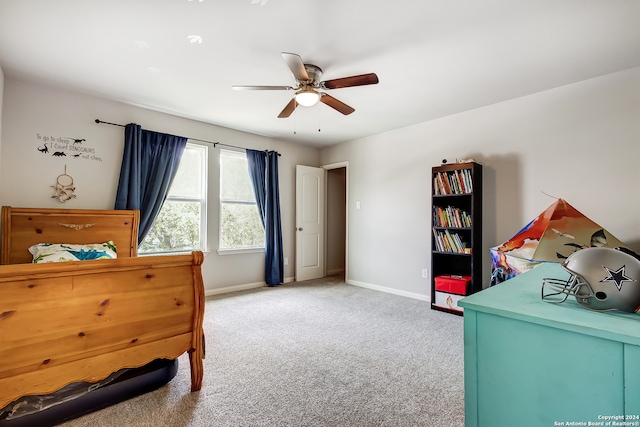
(81, 321)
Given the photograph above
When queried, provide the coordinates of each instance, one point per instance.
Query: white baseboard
(247, 286)
(413, 295)
(236, 288)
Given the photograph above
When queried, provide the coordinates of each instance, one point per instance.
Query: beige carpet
(316, 353)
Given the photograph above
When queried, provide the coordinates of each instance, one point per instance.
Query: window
(181, 224)
(240, 224)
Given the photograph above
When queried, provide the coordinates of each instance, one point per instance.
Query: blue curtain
(149, 164)
(263, 170)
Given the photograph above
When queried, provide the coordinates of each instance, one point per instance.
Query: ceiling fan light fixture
(307, 97)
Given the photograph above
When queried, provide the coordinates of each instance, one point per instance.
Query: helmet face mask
(558, 290)
(600, 279)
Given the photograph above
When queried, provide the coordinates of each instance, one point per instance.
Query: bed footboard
(80, 321)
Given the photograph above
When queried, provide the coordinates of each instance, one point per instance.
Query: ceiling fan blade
(361, 80)
(335, 104)
(262, 88)
(286, 112)
(295, 64)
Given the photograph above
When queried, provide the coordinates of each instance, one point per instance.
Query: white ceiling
(433, 57)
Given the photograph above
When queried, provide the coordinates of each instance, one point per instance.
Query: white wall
(578, 142)
(1, 97)
(33, 112)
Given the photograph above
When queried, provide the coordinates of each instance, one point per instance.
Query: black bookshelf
(456, 224)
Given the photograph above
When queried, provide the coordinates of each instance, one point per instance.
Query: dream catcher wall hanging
(64, 188)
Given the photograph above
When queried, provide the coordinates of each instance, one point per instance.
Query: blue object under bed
(79, 399)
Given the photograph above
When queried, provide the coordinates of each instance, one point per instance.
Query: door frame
(328, 167)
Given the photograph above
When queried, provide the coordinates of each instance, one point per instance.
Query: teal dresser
(532, 363)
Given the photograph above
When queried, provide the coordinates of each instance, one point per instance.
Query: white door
(309, 222)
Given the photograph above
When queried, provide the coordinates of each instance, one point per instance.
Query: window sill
(185, 252)
(240, 251)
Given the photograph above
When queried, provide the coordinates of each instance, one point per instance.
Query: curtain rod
(193, 139)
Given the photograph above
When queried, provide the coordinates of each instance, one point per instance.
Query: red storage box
(452, 284)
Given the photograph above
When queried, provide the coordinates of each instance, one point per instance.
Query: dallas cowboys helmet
(600, 279)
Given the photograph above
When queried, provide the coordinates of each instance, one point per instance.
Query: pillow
(48, 252)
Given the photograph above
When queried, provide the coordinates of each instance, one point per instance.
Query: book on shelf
(454, 182)
(451, 217)
(446, 241)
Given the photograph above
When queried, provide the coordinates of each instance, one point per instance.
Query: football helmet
(600, 279)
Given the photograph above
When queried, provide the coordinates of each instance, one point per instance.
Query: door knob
(299, 228)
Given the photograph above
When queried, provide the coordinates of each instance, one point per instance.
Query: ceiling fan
(309, 86)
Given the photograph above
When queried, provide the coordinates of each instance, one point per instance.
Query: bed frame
(81, 321)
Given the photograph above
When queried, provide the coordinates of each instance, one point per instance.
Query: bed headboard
(24, 227)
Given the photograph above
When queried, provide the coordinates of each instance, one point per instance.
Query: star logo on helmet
(617, 276)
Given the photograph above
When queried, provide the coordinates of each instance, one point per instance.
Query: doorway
(322, 230)
(336, 235)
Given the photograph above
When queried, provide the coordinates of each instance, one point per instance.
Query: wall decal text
(75, 148)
